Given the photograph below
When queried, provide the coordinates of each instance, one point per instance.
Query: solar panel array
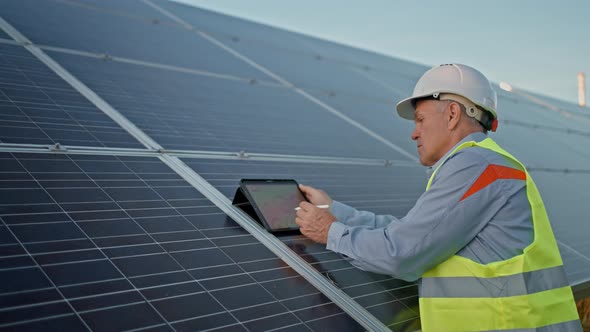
(118, 243)
(106, 234)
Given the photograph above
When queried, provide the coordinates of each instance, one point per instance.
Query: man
(478, 239)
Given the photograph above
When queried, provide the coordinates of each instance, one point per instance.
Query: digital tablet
(274, 201)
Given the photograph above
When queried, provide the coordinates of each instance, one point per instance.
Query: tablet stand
(242, 202)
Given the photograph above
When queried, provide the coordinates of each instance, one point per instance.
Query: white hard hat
(454, 79)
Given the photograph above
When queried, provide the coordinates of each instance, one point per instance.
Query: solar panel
(124, 243)
(241, 34)
(38, 107)
(90, 26)
(382, 119)
(314, 74)
(186, 111)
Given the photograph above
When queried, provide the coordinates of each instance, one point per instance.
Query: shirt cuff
(341, 211)
(335, 233)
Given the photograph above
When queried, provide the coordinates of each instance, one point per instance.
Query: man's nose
(415, 134)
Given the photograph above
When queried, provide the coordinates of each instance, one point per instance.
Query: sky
(536, 45)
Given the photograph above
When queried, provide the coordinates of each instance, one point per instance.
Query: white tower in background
(581, 89)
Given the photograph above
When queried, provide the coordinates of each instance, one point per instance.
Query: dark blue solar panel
(393, 73)
(194, 112)
(142, 33)
(377, 114)
(37, 106)
(321, 66)
(236, 32)
(116, 243)
(313, 74)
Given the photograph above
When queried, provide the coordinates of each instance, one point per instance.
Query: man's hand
(315, 196)
(314, 222)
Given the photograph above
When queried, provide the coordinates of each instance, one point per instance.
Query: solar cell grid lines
(106, 237)
(377, 78)
(347, 102)
(238, 33)
(62, 23)
(391, 85)
(38, 107)
(184, 111)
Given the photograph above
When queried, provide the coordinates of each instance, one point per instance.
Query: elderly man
(478, 239)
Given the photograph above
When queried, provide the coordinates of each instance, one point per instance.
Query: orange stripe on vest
(491, 174)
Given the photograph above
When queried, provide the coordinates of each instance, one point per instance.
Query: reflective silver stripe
(571, 326)
(513, 285)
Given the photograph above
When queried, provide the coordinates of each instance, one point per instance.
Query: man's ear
(454, 116)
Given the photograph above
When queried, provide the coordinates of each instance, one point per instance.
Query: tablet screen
(276, 200)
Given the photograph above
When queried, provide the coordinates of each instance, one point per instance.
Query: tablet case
(241, 201)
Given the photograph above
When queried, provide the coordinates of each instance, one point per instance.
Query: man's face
(431, 131)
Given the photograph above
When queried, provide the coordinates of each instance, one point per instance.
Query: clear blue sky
(535, 45)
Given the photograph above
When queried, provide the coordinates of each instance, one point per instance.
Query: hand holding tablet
(314, 222)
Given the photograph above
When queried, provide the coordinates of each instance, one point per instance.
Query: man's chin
(426, 163)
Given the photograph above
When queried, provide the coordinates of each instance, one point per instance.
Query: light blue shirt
(493, 224)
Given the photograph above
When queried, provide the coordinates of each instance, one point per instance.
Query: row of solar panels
(117, 243)
(106, 241)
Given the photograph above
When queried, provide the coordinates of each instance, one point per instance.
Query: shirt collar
(477, 137)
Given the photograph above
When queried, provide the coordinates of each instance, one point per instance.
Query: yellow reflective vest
(528, 292)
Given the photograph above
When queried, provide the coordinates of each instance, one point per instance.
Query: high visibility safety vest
(528, 292)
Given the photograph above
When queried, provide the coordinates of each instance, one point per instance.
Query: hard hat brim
(405, 108)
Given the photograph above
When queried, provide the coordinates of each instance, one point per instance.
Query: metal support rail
(199, 154)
